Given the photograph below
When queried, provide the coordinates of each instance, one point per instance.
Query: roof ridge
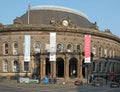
(60, 8)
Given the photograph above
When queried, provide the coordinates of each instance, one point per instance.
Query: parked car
(114, 85)
(78, 83)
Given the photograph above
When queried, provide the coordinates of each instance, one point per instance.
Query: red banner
(87, 46)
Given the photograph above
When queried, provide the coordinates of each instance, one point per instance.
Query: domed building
(30, 35)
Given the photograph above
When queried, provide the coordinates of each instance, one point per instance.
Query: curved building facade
(70, 27)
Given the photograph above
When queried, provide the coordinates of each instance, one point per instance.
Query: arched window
(37, 47)
(78, 48)
(59, 47)
(69, 48)
(15, 66)
(5, 66)
(15, 48)
(105, 52)
(5, 47)
(94, 50)
(100, 51)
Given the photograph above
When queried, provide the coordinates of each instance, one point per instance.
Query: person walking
(91, 77)
(106, 78)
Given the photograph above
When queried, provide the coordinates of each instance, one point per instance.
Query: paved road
(17, 87)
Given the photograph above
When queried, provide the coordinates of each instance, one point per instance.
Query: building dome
(43, 15)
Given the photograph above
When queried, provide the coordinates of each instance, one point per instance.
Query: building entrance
(83, 68)
(73, 67)
(60, 67)
(48, 68)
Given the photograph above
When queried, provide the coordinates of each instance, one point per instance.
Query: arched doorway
(73, 67)
(83, 68)
(48, 68)
(60, 67)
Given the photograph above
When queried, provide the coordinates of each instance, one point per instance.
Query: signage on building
(52, 46)
(87, 46)
(27, 48)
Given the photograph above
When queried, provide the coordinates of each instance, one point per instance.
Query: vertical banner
(87, 46)
(27, 48)
(52, 46)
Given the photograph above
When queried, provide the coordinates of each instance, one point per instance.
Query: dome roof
(43, 15)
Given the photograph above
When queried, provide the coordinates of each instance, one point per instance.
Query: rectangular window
(26, 66)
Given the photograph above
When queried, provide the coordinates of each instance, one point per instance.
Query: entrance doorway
(73, 67)
(60, 67)
(48, 68)
(83, 68)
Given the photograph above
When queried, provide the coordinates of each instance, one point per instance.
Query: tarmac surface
(13, 86)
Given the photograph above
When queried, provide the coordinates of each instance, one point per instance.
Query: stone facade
(68, 64)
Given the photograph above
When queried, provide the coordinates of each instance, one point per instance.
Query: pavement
(13, 86)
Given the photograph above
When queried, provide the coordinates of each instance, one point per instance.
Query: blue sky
(105, 12)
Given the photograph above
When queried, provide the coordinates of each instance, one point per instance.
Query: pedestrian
(92, 76)
(46, 80)
(90, 80)
(112, 75)
(106, 77)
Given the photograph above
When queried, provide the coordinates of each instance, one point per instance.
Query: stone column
(66, 67)
(32, 65)
(54, 69)
(42, 67)
(51, 68)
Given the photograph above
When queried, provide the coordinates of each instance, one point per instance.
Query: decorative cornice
(49, 28)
